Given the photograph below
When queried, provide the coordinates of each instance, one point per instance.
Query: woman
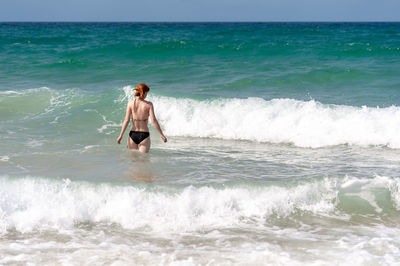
(140, 110)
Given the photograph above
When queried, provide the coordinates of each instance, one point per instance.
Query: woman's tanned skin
(140, 110)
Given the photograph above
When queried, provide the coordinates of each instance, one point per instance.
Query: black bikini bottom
(138, 136)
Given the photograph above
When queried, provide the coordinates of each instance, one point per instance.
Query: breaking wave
(31, 203)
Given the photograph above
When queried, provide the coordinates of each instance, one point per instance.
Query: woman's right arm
(125, 123)
(155, 123)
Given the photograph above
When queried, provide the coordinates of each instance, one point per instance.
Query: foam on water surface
(34, 203)
(63, 221)
(304, 124)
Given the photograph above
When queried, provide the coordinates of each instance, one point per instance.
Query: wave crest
(302, 123)
(30, 203)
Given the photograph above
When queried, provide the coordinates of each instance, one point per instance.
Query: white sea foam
(30, 203)
(9, 92)
(302, 123)
(88, 147)
(25, 92)
(129, 95)
(4, 158)
(379, 247)
(34, 143)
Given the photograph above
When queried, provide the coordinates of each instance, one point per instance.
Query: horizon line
(216, 21)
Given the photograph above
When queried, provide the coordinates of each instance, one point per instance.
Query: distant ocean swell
(31, 203)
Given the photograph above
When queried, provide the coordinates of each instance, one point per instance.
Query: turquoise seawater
(283, 144)
(341, 63)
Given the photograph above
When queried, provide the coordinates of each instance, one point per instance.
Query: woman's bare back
(140, 110)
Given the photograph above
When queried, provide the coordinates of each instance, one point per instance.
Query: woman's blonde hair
(141, 89)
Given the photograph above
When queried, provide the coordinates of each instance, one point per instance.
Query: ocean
(283, 144)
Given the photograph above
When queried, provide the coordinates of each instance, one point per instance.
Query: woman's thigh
(144, 146)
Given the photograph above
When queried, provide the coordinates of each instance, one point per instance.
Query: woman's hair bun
(141, 89)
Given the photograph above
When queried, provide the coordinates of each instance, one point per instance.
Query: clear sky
(200, 10)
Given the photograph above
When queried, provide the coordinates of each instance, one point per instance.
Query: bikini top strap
(134, 102)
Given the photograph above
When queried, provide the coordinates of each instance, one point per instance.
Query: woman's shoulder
(148, 103)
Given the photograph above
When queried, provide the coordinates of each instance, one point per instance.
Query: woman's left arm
(155, 122)
(125, 123)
